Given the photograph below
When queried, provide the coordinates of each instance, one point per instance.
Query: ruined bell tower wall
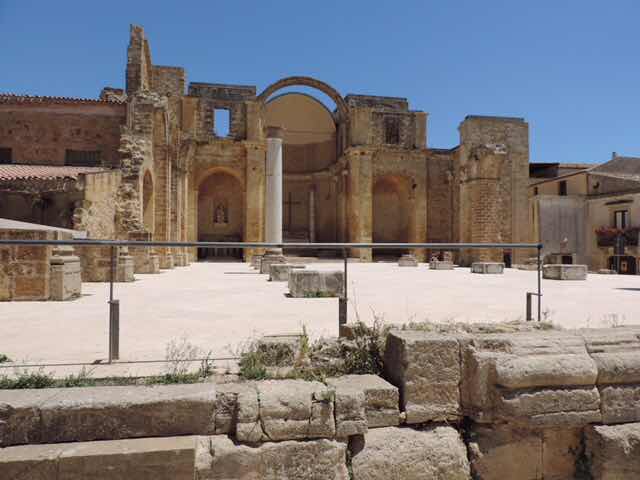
(494, 149)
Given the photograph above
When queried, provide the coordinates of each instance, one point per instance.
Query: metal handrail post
(539, 282)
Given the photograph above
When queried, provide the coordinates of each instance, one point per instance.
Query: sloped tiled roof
(26, 172)
(620, 167)
(17, 98)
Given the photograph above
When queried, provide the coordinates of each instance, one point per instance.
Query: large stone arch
(307, 82)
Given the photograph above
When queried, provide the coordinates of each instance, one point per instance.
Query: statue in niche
(221, 214)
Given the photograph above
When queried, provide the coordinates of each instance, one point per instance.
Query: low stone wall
(528, 405)
(38, 272)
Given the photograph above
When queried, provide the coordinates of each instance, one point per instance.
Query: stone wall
(508, 165)
(529, 405)
(25, 270)
(40, 132)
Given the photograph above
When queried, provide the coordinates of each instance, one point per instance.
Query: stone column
(312, 215)
(273, 200)
(273, 214)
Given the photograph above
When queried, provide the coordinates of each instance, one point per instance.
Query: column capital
(275, 132)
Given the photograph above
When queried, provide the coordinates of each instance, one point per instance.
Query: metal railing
(114, 305)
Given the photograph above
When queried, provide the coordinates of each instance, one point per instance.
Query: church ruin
(149, 162)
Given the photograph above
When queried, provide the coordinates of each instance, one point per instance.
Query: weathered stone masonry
(360, 173)
(529, 405)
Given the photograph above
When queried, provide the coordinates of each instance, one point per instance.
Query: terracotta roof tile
(25, 172)
(17, 98)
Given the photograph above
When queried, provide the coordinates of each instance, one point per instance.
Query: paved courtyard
(218, 306)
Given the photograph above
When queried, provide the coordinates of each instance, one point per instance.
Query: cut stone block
(66, 274)
(226, 411)
(218, 458)
(268, 260)
(350, 410)
(285, 410)
(169, 458)
(313, 283)
(105, 413)
(381, 398)
(613, 451)
(531, 379)
(255, 261)
(394, 453)
(180, 260)
(407, 260)
(487, 267)
(564, 272)
(279, 272)
(426, 369)
(616, 353)
(440, 265)
(500, 452)
(167, 261)
(606, 271)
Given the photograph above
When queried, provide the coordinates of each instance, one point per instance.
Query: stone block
(426, 369)
(314, 283)
(487, 267)
(226, 411)
(394, 453)
(620, 403)
(613, 451)
(502, 452)
(381, 398)
(407, 260)
(616, 353)
(105, 413)
(269, 259)
(180, 259)
(564, 272)
(285, 410)
(533, 379)
(218, 458)
(279, 272)
(440, 265)
(255, 261)
(66, 274)
(171, 458)
(351, 417)
(166, 261)
(606, 271)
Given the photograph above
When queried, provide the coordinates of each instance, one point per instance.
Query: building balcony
(606, 236)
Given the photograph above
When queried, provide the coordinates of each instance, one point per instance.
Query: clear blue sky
(570, 67)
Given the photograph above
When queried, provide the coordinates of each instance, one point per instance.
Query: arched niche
(391, 211)
(220, 211)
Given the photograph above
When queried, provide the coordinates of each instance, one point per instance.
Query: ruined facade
(359, 172)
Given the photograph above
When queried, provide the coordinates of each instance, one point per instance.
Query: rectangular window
(535, 190)
(562, 188)
(5, 155)
(391, 130)
(83, 158)
(621, 219)
(221, 122)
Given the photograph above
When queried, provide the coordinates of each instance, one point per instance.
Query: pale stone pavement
(218, 306)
